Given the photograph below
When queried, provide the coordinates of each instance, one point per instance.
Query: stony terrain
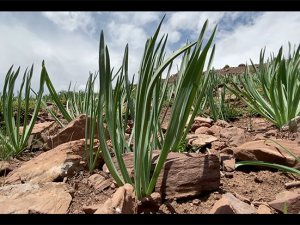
(52, 177)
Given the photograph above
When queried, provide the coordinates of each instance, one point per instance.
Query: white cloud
(270, 30)
(72, 21)
(68, 57)
(69, 43)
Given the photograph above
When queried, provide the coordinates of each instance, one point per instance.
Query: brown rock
(184, 174)
(104, 184)
(200, 140)
(222, 206)
(269, 152)
(287, 200)
(150, 203)
(50, 198)
(195, 126)
(222, 123)
(45, 128)
(203, 119)
(214, 130)
(229, 165)
(229, 204)
(259, 136)
(52, 165)
(90, 209)
(41, 132)
(4, 168)
(201, 130)
(234, 135)
(122, 202)
(218, 145)
(263, 209)
(95, 180)
(271, 133)
(75, 130)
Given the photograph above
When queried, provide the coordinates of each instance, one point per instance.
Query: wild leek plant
(279, 79)
(219, 106)
(75, 101)
(273, 165)
(90, 111)
(146, 107)
(14, 140)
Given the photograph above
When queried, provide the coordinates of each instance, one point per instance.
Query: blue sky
(68, 41)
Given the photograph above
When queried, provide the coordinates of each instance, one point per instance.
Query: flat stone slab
(50, 198)
(75, 130)
(269, 152)
(50, 166)
(200, 140)
(287, 200)
(229, 204)
(184, 174)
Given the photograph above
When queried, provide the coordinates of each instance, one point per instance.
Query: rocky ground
(53, 177)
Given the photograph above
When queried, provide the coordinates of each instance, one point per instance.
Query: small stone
(229, 204)
(105, 169)
(258, 179)
(196, 202)
(205, 125)
(200, 140)
(271, 133)
(113, 186)
(262, 209)
(90, 209)
(222, 123)
(203, 120)
(122, 202)
(4, 168)
(228, 175)
(201, 130)
(95, 180)
(228, 164)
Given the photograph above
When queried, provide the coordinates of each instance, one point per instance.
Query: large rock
(214, 130)
(200, 140)
(52, 198)
(75, 130)
(235, 136)
(288, 201)
(45, 128)
(184, 174)
(41, 132)
(229, 204)
(122, 202)
(269, 152)
(52, 165)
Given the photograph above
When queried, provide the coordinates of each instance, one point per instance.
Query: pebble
(196, 202)
(228, 175)
(258, 180)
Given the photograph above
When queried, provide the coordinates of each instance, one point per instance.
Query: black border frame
(153, 5)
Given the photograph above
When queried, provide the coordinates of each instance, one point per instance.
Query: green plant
(273, 165)
(70, 103)
(217, 102)
(90, 110)
(146, 107)
(279, 81)
(14, 140)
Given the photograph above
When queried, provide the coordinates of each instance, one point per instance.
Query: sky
(69, 41)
